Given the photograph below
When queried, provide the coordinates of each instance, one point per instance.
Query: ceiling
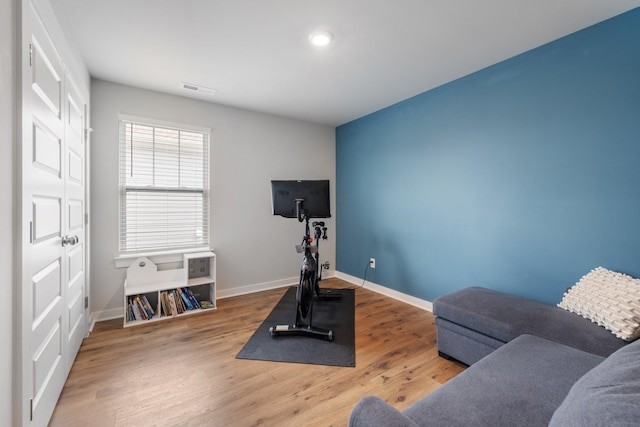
(256, 55)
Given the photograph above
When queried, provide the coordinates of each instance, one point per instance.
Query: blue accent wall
(521, 177)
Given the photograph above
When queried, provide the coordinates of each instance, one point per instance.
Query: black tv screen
(313, 197)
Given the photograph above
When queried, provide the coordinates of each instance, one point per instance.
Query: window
(164, 186)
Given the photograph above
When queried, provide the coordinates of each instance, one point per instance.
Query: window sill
(158, 257)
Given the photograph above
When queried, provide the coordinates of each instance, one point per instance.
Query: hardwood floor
(183, 372)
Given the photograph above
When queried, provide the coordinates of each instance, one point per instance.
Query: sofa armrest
(372, 411)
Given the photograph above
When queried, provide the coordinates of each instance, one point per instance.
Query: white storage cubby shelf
(197, 279)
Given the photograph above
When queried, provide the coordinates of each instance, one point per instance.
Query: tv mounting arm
(299, 210)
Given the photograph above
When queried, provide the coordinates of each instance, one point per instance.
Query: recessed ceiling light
(320, 38)
(198, 88)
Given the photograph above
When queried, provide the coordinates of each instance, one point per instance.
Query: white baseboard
(257, 287)
(411, 300)
(115, 313)
(91, 323)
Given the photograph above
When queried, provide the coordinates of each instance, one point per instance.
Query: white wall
(254, 249)
(7, 142)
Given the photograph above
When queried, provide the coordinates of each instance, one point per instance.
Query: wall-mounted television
(301, 199)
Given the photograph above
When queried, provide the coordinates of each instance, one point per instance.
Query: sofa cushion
(505, 316)
(522, 382)
(608, 395)
(608, 298)
(463, 344)
(373, 411)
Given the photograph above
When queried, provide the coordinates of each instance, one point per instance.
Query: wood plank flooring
(183, 372)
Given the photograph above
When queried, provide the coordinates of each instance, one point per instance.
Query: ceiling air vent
(196, 88)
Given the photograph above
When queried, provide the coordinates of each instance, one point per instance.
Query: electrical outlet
(372, 262)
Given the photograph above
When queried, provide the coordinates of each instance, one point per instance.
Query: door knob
(70, 240)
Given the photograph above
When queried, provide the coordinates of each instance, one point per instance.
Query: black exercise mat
(337, 315)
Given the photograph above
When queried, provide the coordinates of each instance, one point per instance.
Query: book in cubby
(140, 308)
(181, 300)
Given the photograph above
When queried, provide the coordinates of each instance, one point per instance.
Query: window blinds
(164, 188)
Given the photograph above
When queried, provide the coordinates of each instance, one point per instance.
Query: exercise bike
(310, 276)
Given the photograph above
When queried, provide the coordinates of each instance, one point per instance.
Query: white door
(53, 264)
(74, 228)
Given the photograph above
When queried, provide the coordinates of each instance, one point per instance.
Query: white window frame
(128, 249)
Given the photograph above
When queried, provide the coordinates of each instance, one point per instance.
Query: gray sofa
(473, 322)
(532, 365)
